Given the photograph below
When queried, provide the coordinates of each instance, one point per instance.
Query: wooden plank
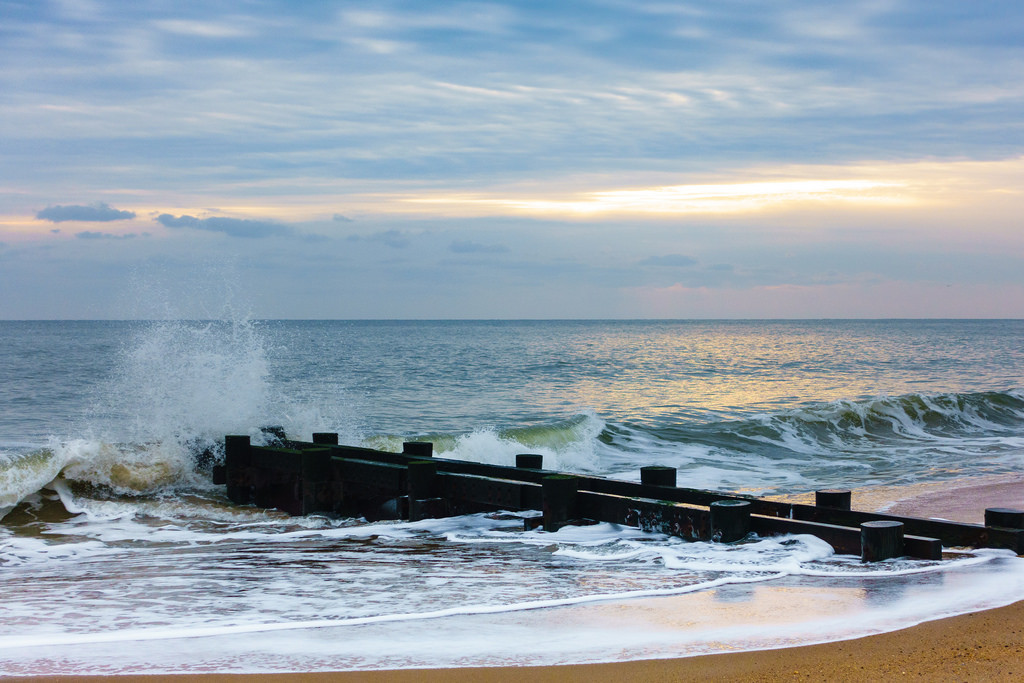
(497, 494)
(844, 540)
(374, 478)
(647, 514)
(276, 459)
(952, 534)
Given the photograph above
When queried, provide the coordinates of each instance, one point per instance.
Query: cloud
(467, 247)
(392, 238)
(233, 227)
(99, 213)
(340, 218)
(201, 29)
(90, 235)
(673, 260)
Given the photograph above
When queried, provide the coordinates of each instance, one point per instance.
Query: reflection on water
(648, 373)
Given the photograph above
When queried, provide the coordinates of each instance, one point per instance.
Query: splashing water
(183, 380)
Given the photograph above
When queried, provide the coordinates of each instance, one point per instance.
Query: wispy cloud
(201, 29)
(469, 247)
(100, 213)
(90, 235)
(395, 239)
(473, 92)
(671, 260)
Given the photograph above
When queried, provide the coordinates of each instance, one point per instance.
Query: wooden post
(421, 449)
(730, 520)
(236, 458)
(658, 475)
(420, 475)
(881, 540)
(532, 461)
(325, 438)
(559, 500)
(837, 499)
(1009, 518)
(316, 470)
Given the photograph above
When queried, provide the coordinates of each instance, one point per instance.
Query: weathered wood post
(316, 473)
(1010, 518)
(236, 460)
(531, 461)
(559, 493)
(420, 475)
(658, 475)
(729, 520)
(420, 449)
(325, 438)
(881, 540)
(837, 499)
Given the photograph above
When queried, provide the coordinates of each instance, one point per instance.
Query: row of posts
(729, 519)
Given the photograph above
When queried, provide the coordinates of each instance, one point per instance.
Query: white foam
(746, 616)
(22, 550)
(50, 640)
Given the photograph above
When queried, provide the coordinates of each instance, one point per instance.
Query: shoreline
(985, 645)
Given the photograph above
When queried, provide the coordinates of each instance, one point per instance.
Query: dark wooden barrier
(1009, 518)
(833, 498)
(730, 520)
(881, 540)
(322, 476)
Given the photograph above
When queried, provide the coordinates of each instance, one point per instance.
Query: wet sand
(983, 646)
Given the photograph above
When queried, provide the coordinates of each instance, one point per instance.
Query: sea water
(118, 554)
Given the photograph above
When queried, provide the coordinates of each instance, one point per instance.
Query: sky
(572, 159)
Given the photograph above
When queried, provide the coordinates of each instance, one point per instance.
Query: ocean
(119, 555)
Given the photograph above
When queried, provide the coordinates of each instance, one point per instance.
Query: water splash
(184, 380)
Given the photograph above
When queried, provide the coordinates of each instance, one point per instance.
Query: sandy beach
(982, 646)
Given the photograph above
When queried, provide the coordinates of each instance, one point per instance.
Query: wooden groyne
(321, 476)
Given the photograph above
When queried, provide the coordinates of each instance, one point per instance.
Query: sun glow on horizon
(993, 187)
(883, 185)
(700, 198)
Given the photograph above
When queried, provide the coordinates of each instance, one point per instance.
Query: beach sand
(983, 646)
